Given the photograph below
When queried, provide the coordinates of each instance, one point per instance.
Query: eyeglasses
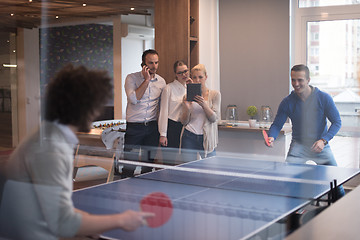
(181, 73)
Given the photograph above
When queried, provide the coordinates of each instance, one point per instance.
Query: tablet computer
(192, 89)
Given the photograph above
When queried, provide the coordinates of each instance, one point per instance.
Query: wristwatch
(325, 142)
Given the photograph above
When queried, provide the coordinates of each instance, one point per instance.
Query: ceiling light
(11, 14)
(324, 15)
(56, 16)
(132, 9)
(84, 4)
(30, 0)
(10, 65)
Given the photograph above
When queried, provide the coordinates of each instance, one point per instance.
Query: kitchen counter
(239, 137)
(233, 139)
(244, 126)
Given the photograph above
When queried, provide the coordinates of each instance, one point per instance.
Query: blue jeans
(191, 145)
(300, 153)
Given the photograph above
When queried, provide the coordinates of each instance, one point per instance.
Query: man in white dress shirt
(143, 90)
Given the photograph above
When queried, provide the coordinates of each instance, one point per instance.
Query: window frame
(299, 18)
(313, 3)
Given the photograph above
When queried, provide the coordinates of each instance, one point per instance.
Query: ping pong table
(216, 197)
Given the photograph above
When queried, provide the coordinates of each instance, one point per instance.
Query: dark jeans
(142, 137)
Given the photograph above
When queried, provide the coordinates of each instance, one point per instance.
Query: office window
(335, 54)
(334, 63)
(323, 3)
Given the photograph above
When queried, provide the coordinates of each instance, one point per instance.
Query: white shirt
(45, 160)
(147, 108)
(171, 105)
(68, 133)
(197, 119)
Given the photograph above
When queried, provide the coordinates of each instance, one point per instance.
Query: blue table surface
(208, 206)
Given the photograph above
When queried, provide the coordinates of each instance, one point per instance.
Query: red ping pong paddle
(266, 138)
(159, 204)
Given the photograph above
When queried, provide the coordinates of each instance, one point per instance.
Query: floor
(90, 176)
(347, 151)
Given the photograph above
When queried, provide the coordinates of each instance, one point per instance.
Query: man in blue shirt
(308, 108)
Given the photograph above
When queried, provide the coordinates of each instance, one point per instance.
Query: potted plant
(252, 111)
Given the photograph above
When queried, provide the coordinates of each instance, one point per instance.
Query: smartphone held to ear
(192, 89)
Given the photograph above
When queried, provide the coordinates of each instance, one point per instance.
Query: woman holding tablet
(170, 107)
(199, 117)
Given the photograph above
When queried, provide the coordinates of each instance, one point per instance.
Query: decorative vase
(252, 123)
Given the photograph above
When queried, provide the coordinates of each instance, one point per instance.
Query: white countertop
(244, 125)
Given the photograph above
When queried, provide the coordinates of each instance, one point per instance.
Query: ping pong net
(240, 172)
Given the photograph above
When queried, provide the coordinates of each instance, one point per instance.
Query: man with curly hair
(37, 202)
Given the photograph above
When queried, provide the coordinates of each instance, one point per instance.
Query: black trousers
(173, 133)
(140, 136)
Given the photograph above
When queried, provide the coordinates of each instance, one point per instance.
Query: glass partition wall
(235, 194)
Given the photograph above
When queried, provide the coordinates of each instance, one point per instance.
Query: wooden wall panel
(172, 34)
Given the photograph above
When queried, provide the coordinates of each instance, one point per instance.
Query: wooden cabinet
(176, 34)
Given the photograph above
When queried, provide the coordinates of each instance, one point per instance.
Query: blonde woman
(170, 109)
(199, 117)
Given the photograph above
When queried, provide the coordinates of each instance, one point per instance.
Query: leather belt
(141, 123)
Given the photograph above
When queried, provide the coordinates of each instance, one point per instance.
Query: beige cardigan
(210, 127)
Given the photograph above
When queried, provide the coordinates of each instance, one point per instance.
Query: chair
(84, 156)
(113, 138)
(93, 153)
